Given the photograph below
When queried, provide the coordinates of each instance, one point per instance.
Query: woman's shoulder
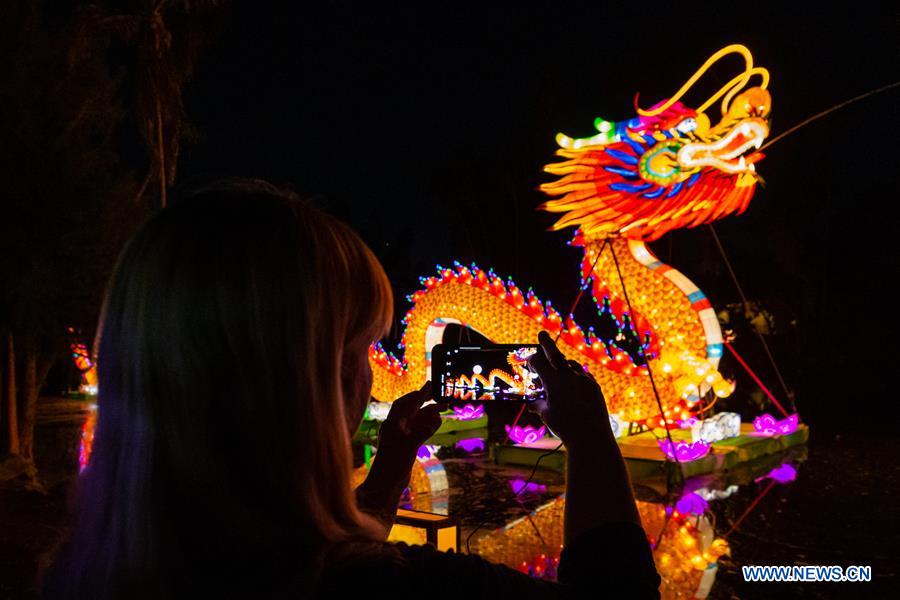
(360, 555)
(356, 566)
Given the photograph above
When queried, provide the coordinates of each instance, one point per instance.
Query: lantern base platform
(368, 429)
(646, 461)
(451, 425)
(451, 438)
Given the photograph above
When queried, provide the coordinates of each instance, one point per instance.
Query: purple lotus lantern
(691, 504)
(427, 452)
(684, 451)
(471, 445)
(468, 412)
(767, 425)
(784, 473)
(525, 435)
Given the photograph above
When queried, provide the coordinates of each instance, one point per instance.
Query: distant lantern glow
(86, 444)
(86, 366)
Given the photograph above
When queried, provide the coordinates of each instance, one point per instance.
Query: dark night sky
(427, 131)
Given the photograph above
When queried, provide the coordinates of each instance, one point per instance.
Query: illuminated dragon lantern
(518, 380)
(668, 167)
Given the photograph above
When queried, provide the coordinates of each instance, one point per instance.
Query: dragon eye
(689, 124)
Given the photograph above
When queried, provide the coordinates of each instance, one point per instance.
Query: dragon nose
(759, 102)
(760, 110)
(755, 102)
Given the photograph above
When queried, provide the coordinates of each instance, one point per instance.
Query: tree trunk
(1, 397)
(11, 396)
(30, 396)
(162, 152)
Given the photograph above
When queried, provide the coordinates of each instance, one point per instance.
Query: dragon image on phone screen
(502, 372)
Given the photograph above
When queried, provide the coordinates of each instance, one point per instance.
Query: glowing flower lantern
(783, 473)
(520, 485)
(426, 452)
(525, 435)
(684, 451)
(692, 504)
(468, 412)
(687, 423)
(471, 445)
(767, 425)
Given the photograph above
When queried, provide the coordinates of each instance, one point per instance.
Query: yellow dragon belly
(689, 340)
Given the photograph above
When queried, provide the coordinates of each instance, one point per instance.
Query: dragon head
(725, 147)
(666, 168)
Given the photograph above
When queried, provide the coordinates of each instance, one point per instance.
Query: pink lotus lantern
(767, 425)
(468, 412)
(525, 435)
(684, 451)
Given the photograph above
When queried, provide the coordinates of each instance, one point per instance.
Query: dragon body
(519, 380)
(628, 184)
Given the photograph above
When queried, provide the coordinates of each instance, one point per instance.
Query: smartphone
(497, 372)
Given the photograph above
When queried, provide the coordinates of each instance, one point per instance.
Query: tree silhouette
(68, 205)
(160, 41)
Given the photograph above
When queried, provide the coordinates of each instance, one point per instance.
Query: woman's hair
(222, 449)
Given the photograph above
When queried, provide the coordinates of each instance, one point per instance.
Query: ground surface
(841, 510)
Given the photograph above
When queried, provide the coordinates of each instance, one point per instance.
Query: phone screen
(481, 373)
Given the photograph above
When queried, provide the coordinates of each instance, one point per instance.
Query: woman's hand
(598, 490)
(575, 409)
(407, 427)
(409, 424)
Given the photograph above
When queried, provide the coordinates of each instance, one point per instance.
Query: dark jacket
(610, 561)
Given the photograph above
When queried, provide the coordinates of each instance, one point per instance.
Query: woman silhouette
(233, 370)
